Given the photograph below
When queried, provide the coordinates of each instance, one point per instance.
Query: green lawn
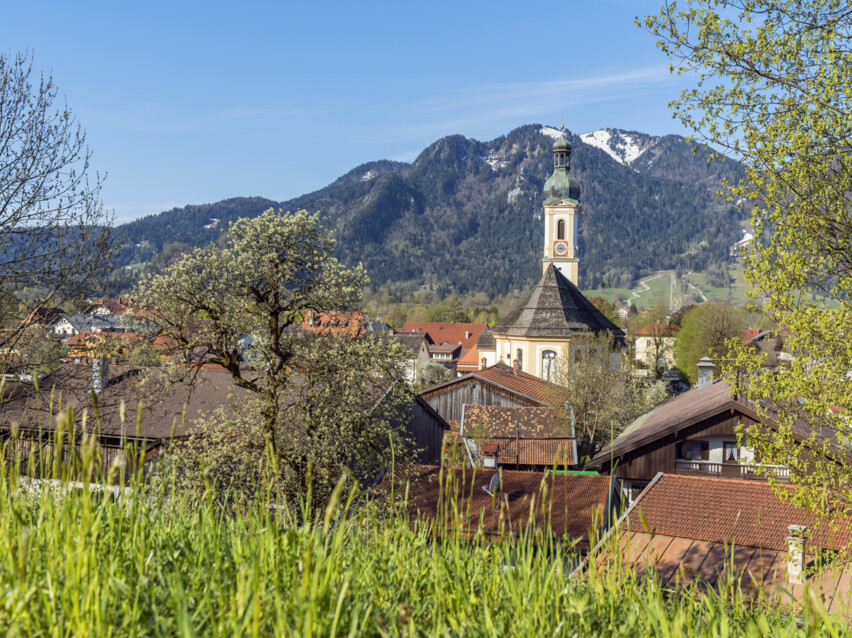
(659, 292)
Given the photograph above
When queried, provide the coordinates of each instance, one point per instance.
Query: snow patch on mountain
(624, 148)
(213, 223)
(493, 162)
(366, 177)
(552, 133)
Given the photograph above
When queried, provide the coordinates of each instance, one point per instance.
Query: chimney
(489, 455)
(515, 366)
(796, 553)
(483, 363)
(100, 375)
(467, 334)
(705, 372)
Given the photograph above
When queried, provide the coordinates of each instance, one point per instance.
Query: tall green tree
(705, 332)
(774, 88)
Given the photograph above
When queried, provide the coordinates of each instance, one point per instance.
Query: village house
(519, 438)
(497, 385)
(687, 529)
(417, 345)
(72, 324)
(453, 345)
(654, 344)
(771, 345)
(694, 433)
(105, 307)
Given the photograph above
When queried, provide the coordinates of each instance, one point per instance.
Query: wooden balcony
(729, 470)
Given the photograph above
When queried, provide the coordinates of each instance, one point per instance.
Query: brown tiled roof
(520, 386)
(687, 409)
(683, 410)
(524, 422)
(555, 308)
(704, 529)
(490, 448)
(719, 510)
(524, 383)
(469, 359)
(162, 408)
(539, 452)
(566, 505)
(525, 435)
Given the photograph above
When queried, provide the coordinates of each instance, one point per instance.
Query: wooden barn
(499, 385)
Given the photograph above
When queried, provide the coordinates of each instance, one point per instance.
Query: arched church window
(520, 357)
(560, 229)
(548, 365)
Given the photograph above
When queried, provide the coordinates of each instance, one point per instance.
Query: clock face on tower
(560, 248)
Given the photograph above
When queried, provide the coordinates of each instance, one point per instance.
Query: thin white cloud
(495, 105)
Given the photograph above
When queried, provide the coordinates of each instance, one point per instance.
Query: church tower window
(560, 229)
(520, 357)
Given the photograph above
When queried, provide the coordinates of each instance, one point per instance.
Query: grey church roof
(555, 308)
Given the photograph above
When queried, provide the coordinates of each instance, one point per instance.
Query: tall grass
(159, 563)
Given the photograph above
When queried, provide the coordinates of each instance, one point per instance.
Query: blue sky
(187, 103)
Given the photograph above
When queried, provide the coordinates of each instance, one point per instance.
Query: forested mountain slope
(467, 214)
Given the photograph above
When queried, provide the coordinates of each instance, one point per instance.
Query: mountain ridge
(466, 214)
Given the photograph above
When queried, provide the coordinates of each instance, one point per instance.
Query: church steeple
(561, 205)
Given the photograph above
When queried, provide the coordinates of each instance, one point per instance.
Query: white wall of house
(716, 451)
(64, 328)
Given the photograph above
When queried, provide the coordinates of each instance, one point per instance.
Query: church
(541, 333)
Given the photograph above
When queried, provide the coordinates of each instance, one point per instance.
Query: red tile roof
(720, 510)
(525, 435)
(351, 323)
(466, 333)
(667, 329)
(568, 506)
(453, 333)
(524, 382)
(525, 386)
(689, 529)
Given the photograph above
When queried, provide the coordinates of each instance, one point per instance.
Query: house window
(520, 357)
(548, 365)
(560, 229)
(730, 452)
(694, 450)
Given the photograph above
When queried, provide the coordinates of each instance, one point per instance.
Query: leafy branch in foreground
(774, 88)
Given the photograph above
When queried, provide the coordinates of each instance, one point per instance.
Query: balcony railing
(729, 470)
